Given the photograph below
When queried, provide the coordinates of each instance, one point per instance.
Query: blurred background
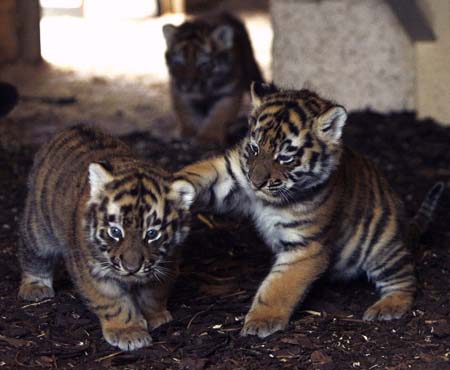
(103, 60)
(104, 56)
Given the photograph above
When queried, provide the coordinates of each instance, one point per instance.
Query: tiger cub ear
(169, 33)
(182, 192)
(99, 176)
(259, 90)
(223, 36)
(329, 125)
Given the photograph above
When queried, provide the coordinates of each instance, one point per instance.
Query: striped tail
(423, 217)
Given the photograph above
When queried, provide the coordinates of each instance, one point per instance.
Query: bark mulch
(224, 261)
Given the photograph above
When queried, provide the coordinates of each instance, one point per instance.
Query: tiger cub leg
(37, 265)
(392, 271)
(287, 283)
(122, 322)
(152, 300)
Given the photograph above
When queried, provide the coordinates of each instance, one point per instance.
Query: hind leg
(37, 272)
(393, 275)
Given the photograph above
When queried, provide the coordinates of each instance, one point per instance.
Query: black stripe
(292, 245)
(102, 307)
(389, 272)
(228, 167)
(114, 314)
(313, 161)
(293, 128)
(129, 317)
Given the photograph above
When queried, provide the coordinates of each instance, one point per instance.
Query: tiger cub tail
(423, 217)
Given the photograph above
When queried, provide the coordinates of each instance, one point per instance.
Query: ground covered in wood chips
(224, 261)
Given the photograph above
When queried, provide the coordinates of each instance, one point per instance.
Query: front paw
(156, 319)
(390, 307)
(128, 338)
(35, 291)
(263, 325)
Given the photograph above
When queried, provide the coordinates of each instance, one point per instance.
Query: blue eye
(115, 233)
(254, 148)
(152, 235)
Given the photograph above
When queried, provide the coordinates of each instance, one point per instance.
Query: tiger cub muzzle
(132, 258)
(265, 174)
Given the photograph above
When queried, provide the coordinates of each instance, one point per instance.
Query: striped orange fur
(116, 221)
(319, 205)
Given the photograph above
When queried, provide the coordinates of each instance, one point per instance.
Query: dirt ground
(224, 261)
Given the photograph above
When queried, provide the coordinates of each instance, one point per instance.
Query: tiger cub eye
(115, 233)
(255, 149)
(152, 235)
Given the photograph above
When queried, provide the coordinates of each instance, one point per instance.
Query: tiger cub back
(116, 221)
(211, 64)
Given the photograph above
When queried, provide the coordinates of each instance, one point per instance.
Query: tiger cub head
(294, 142)
(200, 56)
(134, 221)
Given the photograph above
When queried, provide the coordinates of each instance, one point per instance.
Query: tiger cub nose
(259, 182)
(259, 177)
(132, 263)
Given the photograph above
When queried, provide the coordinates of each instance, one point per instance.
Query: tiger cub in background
(318, 204)
(117, 222)
(211, 65)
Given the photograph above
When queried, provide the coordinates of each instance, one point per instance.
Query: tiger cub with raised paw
(211, 64)
(318, 205)
(117, 221)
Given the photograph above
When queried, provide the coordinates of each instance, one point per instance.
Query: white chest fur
(271, 223)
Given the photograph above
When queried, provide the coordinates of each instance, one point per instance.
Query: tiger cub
(211, 64)
(117, 221)
(318, 205)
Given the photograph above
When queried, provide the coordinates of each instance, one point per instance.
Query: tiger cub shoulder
(211, 64)
(117, 222)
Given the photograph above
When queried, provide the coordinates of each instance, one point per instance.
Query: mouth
(116, 272)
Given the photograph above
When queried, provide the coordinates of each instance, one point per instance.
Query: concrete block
(433, 66)
(354, 51)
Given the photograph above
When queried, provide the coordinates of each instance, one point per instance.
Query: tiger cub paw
(263, 326)
(389, 307)
(128, 338)
(156, 319)
(35, 290)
